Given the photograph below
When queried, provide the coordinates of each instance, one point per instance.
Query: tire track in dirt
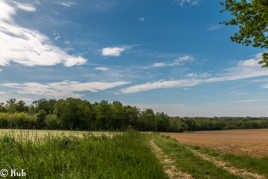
(227, 166)
(168, 164)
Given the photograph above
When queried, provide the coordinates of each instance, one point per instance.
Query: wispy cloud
(26, 7)
(113, 51)
(102, 68)
(57, 36)
(6, 97)
(66, 4)
(182, 3)
(249, 101)
(198, 75)
(215, 27)
(61, 89)
(265, 86)
(159, 84)
(159, 64)
(177, 61)
(28, 47)
(141, 19)
(243, 70)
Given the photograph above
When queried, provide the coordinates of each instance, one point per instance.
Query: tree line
(77, 114)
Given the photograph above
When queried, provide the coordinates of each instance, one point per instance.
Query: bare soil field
(252, 142)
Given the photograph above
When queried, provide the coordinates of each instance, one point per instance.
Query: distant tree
(148, 120)
(44, 104)
(21, 107)
(132, 115)
(41, 115)
(103, 116)
(74, 113)
(2, 107)
(120, 119)
(11, 105)
(251, 17)
(162, 121)
(52, 122)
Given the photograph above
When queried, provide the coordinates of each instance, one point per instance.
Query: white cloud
(159, 64)
(243, 70)
(18, 98)
(62, 89)
(177, 61)
(158, 85)
(182, 3)
(214, 27)
(26, 7)
(141, 19)
(250, 63)
(167, 108)
(66, 4)
(113, 51)
(6, 11)
(197, 75)
(57, 36)
(102, 68)
(183, 59)
(28, 47)
(67, 42)
(249, 101)
(1, 70)
(265, 86)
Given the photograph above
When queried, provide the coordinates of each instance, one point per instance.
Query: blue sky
(172, 56)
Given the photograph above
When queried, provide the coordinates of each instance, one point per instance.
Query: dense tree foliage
(77, 114)
(251, 17)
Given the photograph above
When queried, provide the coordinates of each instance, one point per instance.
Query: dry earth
(252, 142)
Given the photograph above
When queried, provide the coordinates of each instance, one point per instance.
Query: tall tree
(251, 17)
(11, 105)
(2, 107)
(104, 115)
(21, 106)
(74, 113)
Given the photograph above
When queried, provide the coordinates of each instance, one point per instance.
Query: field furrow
(186, 161)
(227, 166)
(168, 164)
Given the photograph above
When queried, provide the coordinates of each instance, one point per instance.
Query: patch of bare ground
(240, 142)
(168, 164)
(225, 165)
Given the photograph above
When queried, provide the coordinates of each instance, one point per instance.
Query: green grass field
(116, 155)
(121, 156)
(253, 164)
(187, 162)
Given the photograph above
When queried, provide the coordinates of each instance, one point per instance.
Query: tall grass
(118, 157)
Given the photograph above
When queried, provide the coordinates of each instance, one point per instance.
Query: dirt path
(168, 164)
(225, 165)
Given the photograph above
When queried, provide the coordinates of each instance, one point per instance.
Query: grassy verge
(123, 156)
(189, 163)
(252, 164)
